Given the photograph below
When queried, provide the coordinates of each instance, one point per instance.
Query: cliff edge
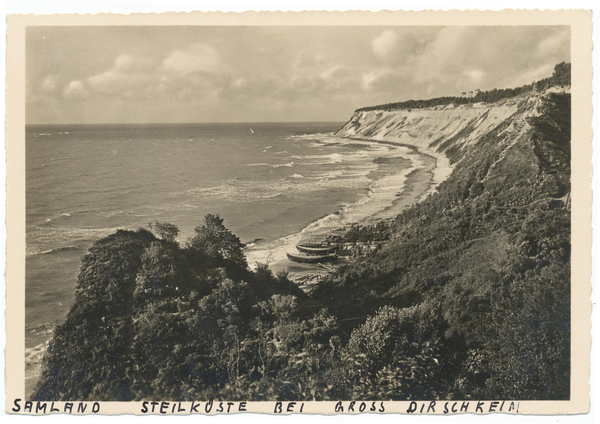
(447, 131)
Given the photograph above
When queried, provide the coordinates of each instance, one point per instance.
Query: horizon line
(178, 123)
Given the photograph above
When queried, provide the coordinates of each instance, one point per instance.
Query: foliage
(215, 245)
(165, 231)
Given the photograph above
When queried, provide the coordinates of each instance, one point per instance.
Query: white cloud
(196, 58)
(185, 75)
(75, 91)
(383, 46)
(476, 75)
(531, 75)
(341, 78)
(50, 84)
(385, 80)
(551, 45)
(129, 77)
(113, 82)
(255, 86)
(125, 63)
(402, 46)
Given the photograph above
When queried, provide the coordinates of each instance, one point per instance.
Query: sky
(168, 74)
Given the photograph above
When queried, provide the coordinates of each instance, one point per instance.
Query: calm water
(272, 181)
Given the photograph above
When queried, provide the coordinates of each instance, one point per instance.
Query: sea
(273, 184)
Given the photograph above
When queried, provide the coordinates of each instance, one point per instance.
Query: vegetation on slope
(153, 319)
(470, 298)
(491, 249)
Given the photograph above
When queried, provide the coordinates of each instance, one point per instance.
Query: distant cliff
(447, 131)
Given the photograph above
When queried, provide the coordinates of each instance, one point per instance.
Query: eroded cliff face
(446, 131)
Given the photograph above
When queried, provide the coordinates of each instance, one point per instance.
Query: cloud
(307, 60)
(75, 91)
(129, 77)
(534, 74)
(341, 79)
(117, 83)
(465, 58)
(184, 75)
(255, 86)
(553, 45)
(402, 45)
(384, 45)
(196, 58)
(476, 75)
(386, 80)
(50, 84)
(306, 82)
(125, 63)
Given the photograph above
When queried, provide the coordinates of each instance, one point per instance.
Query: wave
(378, 198)
(279, 165)
(34, 355)
(337, 158)
(44, 239)
(60, 249)
(288, 165)
(58, 217)
(33, 364)
(41, 330)
(353, 177)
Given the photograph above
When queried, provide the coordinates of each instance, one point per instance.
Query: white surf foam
(379, 197)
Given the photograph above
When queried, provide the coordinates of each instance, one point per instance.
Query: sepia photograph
(300, 213)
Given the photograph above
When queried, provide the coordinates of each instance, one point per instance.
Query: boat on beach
(323, 244)
(317, 249)
(309, 258)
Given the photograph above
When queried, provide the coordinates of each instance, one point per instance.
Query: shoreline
(431, 169)
(442, 168)
(439, 170)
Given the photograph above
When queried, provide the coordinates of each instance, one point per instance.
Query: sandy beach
(419, 183)
(430, 169)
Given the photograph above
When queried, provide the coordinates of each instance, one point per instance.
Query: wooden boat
(317, 245)
(316, 249)
(308, 258)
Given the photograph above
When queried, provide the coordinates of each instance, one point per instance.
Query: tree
(165, 231)
(216, 243)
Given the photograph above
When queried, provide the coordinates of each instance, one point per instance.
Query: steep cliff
(447, 131)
